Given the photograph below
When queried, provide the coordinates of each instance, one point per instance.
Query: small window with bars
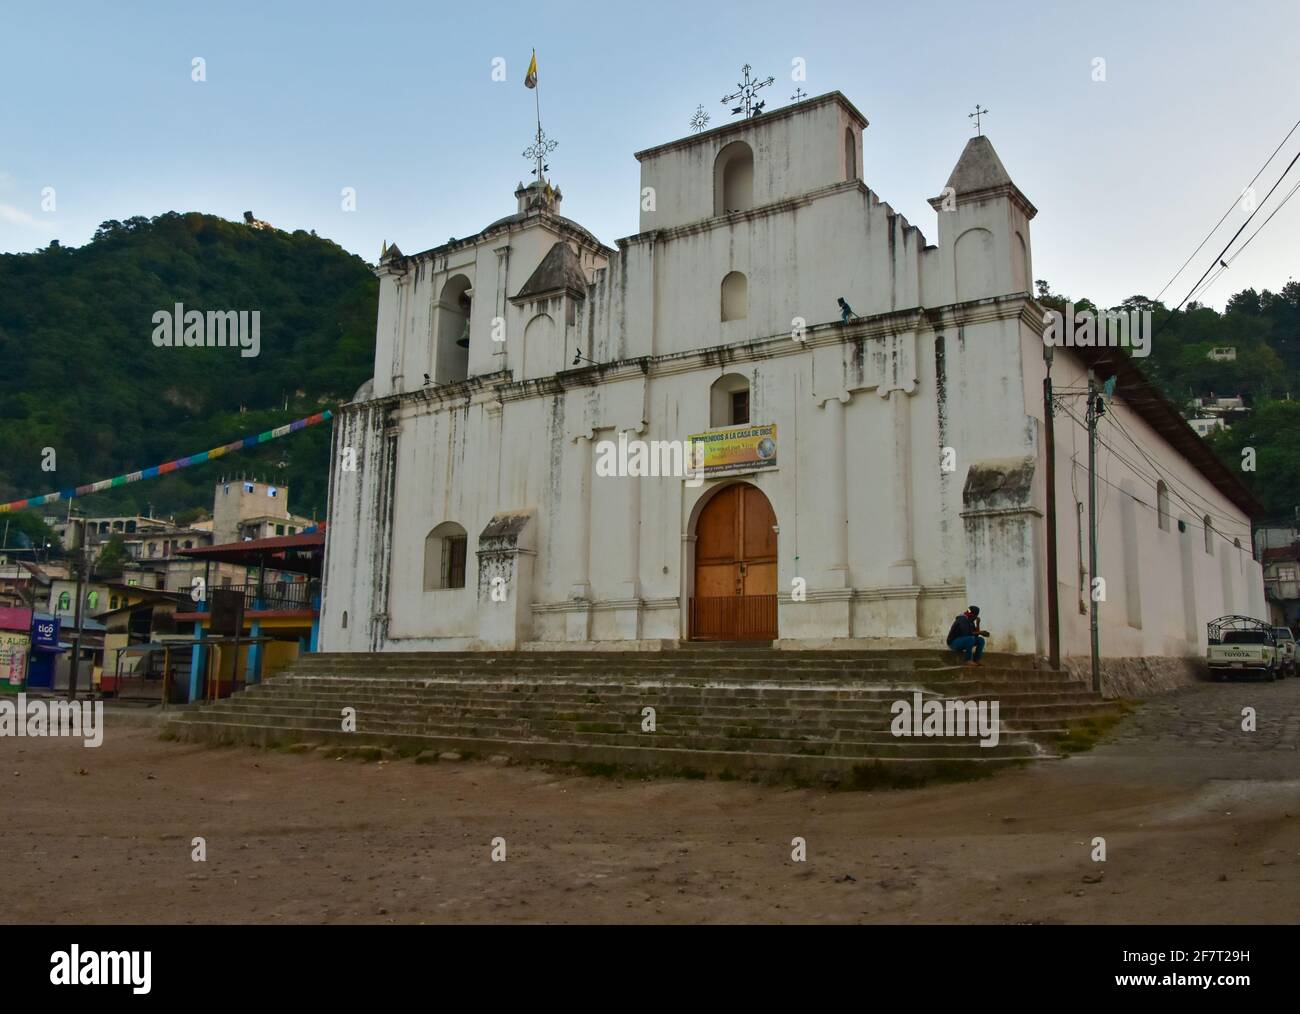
(739, 407)
(453, 555)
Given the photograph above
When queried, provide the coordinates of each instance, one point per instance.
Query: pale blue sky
(305, 98)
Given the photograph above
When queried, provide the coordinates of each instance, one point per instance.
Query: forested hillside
(79, 372)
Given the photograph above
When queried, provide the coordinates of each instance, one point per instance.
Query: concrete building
(1206, 425)
(1282, 584)
(248, 508)
(874, 400)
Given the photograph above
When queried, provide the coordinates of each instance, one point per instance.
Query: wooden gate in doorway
(735, 568)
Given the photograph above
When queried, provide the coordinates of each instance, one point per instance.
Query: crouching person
(966, 636)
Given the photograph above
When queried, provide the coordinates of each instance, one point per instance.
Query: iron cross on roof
(538, 151)
(747, 91)
(976, 117)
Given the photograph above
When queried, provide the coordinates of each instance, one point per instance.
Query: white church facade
(879, 468)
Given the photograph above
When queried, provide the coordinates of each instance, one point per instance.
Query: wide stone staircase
(729, 710)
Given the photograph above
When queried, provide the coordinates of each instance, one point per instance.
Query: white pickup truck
(1286, 650)
(1242, 645)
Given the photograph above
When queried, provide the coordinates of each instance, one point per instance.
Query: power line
(1137, 470)
(1228, 212)
(1152, 507)
(1219, 259)
(1209, 282)
(1203, 504)
(1241, 249)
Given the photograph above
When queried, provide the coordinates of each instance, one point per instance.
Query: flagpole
(537, 100)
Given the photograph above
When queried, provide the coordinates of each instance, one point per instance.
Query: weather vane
(700, 120)
(799, 95)
(746, 93)
(976, 117)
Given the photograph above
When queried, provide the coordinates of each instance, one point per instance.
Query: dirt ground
(1201, 822)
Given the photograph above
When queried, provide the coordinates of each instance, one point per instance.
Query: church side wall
(1161, 586)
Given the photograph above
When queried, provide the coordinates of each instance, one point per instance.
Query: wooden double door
(735, 568)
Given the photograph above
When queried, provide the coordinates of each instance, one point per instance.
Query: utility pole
(1053, 587)
(1094, 411)
(82, 551)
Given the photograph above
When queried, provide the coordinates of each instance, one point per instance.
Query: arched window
(1162, 505)
(735, 296)
(130, 526)
(729, 401)
(1209, 534)
(65, 601)
(850, 155)
(92, 600)
(733, 179)
(444, 557)
(453, 313)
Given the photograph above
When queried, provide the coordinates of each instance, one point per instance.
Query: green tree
(112, 557)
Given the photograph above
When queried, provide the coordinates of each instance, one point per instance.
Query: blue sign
(46, 632)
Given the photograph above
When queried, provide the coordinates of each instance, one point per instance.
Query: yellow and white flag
(530, 79)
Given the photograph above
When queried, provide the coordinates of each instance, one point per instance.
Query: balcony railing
(298, 595)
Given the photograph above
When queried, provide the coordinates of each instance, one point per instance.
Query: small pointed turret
(979, 174)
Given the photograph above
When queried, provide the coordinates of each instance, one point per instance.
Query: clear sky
(302, 99)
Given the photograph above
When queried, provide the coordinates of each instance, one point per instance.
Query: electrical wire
(1228, 212)
(1203, 505)
(1222, 252)
(1195, 509)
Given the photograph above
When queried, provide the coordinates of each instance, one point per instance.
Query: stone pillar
(578, 618)
(903, 570)
(506, 553)
(837, 497)
(1002, 552)
(627, 607)
(500, 306)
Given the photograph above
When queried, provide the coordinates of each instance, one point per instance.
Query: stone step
(808, 709)
(834, 770)
(623, 660)
(904, 655)
(651, 664)
(486, 695)
(828, 714)
(880, 746)
(513, 681)
(596, 724)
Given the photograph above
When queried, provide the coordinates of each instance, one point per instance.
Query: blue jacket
(963, 626)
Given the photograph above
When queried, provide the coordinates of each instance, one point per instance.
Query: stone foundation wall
(1139, 677)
